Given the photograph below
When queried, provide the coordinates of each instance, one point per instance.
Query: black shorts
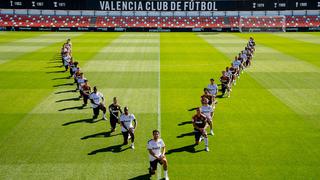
(224, 87)
(113, 121)
(153, 164)
(97, 109)
(197, 135)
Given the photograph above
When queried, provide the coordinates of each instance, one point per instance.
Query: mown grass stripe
(54, 127)
(253, 111)
(14, 49)
(34, 133)
(10, 37)
(303, 51)
(304, 37)
(290, 87)
(257, 135)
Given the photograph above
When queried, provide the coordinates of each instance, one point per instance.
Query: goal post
(262, 24)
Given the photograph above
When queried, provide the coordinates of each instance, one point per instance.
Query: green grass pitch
(268, 129)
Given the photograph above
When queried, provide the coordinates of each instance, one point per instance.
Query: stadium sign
(158, 6)
(162, 5)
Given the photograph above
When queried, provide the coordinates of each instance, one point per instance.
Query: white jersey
(127, 121)
(66, 60)
(207, 110)
(244, 56)
(229, 74)
(81, 82)
(213, 89)
(156, 147)
(236, 63)
(97, 99)
(74, 69)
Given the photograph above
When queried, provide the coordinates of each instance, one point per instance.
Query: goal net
(262, 23)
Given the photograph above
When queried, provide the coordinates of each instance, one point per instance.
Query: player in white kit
(127, 127)
(207, 110)
(97, 102)
(213, 88)
(157, 150)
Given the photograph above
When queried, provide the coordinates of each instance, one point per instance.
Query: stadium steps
(93, 21)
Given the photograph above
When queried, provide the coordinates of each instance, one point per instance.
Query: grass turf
(268, 129)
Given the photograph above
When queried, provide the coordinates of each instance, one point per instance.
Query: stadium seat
(155, 22)
(43, 21)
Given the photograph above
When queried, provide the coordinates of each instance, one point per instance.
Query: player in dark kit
(114, 110)
(225, 83)
(207, 95)
(85, 92)
(199, 122)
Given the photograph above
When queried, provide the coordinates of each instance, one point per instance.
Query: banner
(162, 5)
(157, 6)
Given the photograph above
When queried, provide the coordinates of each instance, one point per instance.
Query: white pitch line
(159, 100)
(159, 93)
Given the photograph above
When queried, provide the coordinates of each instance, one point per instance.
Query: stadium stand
(44, 21)
(7, 20)
(302, 21)
(263, 21)
(164, 22)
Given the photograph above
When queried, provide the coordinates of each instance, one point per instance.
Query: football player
(157, 150)
(97, 102)
(199, 122)
(207, 110)
(127, 127)
(114, 110)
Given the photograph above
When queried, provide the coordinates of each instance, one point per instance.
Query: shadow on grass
(189, 148)
(142, 177)
(71, 108)
(113, 149)
(98, 135)
(66, 91)
(88, 120)
(219, 96)
(57, 66)
(61, 78)
(65, 84)
(69, 99)
(52, 72)
(193, 109)
(55, 62)
(185, 134)
(184, 123)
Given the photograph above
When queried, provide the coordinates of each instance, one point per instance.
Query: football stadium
(159, 89)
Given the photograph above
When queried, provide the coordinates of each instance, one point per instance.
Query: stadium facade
(135, 15)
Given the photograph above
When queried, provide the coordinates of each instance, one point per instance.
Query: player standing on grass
(207, 110)
(69, 43)
(213, 88)
(73, 68)
(208, 96)
(225, 84)
(128, 128)
(80, 82)
(85, 92)
(66, 59)
(97, 101)
(199, 122)
(236, 64)
(114, 110)
(157, 150)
